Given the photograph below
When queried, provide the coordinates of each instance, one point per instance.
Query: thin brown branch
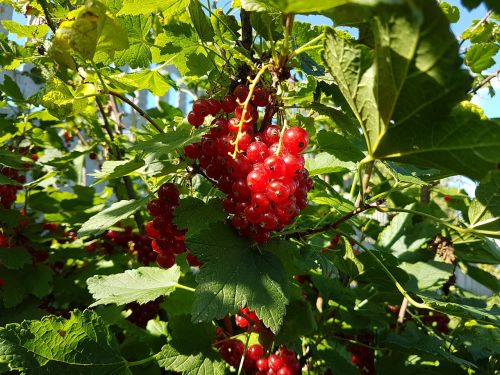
(485, 81)
(48, 18)
(138, 109)
(118, 156)
(246, 30)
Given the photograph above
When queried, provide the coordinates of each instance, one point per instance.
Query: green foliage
(366, 279)
(142, 285)
(81, 345)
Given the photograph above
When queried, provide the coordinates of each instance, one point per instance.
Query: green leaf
(298, 6)
(180, 45)
(80, 345)
(236, 275)
(4, 180)
(484, 211)
(451, 11)
(26, 31)
(164, 144)
(325, 163)
(462, 310)
(347, 262)
(171, 7)
(196, 215)
(480, 56)
(415, 339)
(339, 146)
(299, 322)
(141, 285)
(463, 144)
(200, 21)
(192, 357)
(11, 88)
(481, 341)
(427, 275)
(145, 79)
(115, 169)
(14, 257)
(110, 216)
(138, 54)
(486, 251)
(413, 76)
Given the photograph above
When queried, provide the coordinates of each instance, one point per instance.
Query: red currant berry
(275, 362)
(214, 106)
(295, 139)
(201, 107)
(195, 119)
(262, 364)
(271, 134)
(261, 236)
(155, 207)
(260, 202)
(258, 180)
(294, 164)
(257, 152)
(260, 96)
(284, 371)
(193, 151)
(255, 352)
(193, 261)
(276, 166)
(165, 260)
(228, 104)
(169, 193)
(241, 92)
(151, 230)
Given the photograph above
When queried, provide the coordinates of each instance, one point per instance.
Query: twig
(246, 30)
(365, 183)
(483, 20)
(48, 18)
(330, 226)
(138, 109)
(402, 310)
(485, 81)
(116, 151)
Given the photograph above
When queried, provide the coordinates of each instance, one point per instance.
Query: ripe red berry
(214, 106)
(262, 364)
(257, 152)
(193, 151)
(295, 139)
(284, 371)
(195, 119)
(228, 104)
(241, 92)
(294, 164)
(276, 166)
(275, 362)
(255, 352)
(201, 107)
(277, 192)
(165, 260)
(258, 180)
(260, 96)
(169, 193)
(271, 134)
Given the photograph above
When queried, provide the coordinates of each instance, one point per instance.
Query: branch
(138, 109)
(485, 81)
(116, 151)
(365, 183)
(334, 225)
(246, 30)
(48, 18)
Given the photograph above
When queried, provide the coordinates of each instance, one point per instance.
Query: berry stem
(283, 129)
(240, 368)
(251, 89)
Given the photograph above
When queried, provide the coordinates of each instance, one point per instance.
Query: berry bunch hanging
(8, 193)
(138, 244)
(166, 239)
(261, 172)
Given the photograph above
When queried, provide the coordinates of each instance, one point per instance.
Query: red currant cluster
(262, 172)
(436, 320)
(142, 314)
(8, 193)
(362, 356)
(138, 244)
(283, 362)
(167, 239)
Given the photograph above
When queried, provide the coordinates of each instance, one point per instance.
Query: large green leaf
(234, 275)
(140, 285)
(136, 7)
(484, 211)
(188, 355)
(115, 169)
(14, 258)
(111, 215)
(302, 6)
(26, 31)
(464, 143)
(195, 215)
(480, 56)
(411, 78)
(146, 79)
(200, 21)
(80, 345)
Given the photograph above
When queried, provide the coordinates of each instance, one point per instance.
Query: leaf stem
(141, 361)
(180, 286)
(307, 46)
